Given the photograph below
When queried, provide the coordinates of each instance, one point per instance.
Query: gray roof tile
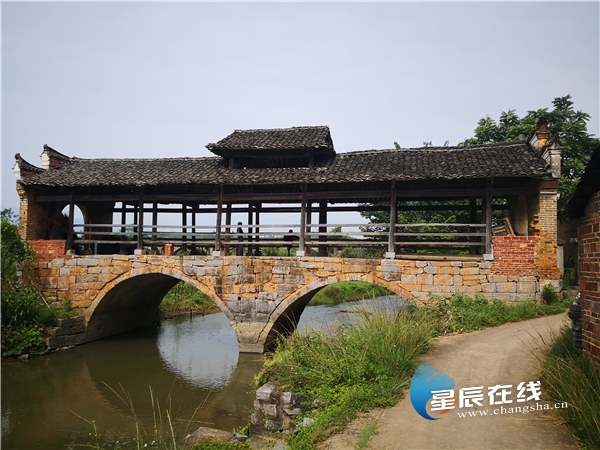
(514, 159)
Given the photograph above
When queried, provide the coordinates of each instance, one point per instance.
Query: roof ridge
(281, 129)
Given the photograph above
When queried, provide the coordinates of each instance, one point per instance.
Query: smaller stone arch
(131, 300)
(285, 317)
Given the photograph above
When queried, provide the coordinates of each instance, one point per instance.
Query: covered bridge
(153, 205)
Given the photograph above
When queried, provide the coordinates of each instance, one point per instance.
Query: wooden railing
(408, 238)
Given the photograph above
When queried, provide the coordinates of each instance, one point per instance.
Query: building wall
(545, 226)
(589, 276)
(514, 255)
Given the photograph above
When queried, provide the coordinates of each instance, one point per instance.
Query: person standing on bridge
(240, 233)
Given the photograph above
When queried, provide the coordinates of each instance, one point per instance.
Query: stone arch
(285, 317)
(131, 300)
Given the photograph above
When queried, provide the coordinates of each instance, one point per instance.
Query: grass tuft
(360, 366)
(463, 314)
(569, 377)
(369, 363)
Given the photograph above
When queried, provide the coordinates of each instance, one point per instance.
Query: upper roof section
(588, 185)
(514, 159)
(278, 147)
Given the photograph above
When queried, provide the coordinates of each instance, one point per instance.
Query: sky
(152, 80)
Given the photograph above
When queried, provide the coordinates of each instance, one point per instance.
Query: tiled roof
(493, 160)
(276, 139)
(588, 185)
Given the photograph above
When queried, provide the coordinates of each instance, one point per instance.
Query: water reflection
(193, 358)
(185, 362)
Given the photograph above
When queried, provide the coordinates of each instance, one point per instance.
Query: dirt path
(502, 355)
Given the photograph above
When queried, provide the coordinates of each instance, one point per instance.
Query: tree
(569, 125)
(23, 315)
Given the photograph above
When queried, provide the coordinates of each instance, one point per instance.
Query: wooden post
(258, 205)
(219, 218)
(154, 223)
(393, 214)
(140, 243)
(308, 236)
(123, 222)
(135, 218)
(184, 225)
(250, 229)
(70, 237)
(302, 220)
(473, 220)
(323, 221)
(488, 216)
(227, 228)
(195, 209)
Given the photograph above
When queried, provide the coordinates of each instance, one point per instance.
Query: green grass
(184, 298)
(359, 367)
(370, 363)
(366, 434)
(462, 313)
(569, 377)
(347, 291)
(212, 444)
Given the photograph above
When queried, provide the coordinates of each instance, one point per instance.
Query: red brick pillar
(545, 226)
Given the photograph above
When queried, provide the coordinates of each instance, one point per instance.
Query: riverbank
(370, 365)
(347, 291)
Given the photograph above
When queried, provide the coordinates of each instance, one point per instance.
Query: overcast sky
(151, 80)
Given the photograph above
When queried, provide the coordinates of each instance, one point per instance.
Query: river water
(188, 367)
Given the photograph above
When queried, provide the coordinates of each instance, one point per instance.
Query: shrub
(569, 277)
(23, 313)
(549, 294)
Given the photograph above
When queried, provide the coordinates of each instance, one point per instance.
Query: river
(188, 367)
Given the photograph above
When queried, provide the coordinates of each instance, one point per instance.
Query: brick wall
(589, 276)
(514, 255)
(47, 250)
(545, 225)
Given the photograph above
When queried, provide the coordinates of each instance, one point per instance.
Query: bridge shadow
(287, 322)
(132, 301)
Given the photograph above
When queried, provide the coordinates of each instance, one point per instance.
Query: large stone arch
(285, 317)
(131, 300)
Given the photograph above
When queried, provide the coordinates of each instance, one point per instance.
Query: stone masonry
(261, 296)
